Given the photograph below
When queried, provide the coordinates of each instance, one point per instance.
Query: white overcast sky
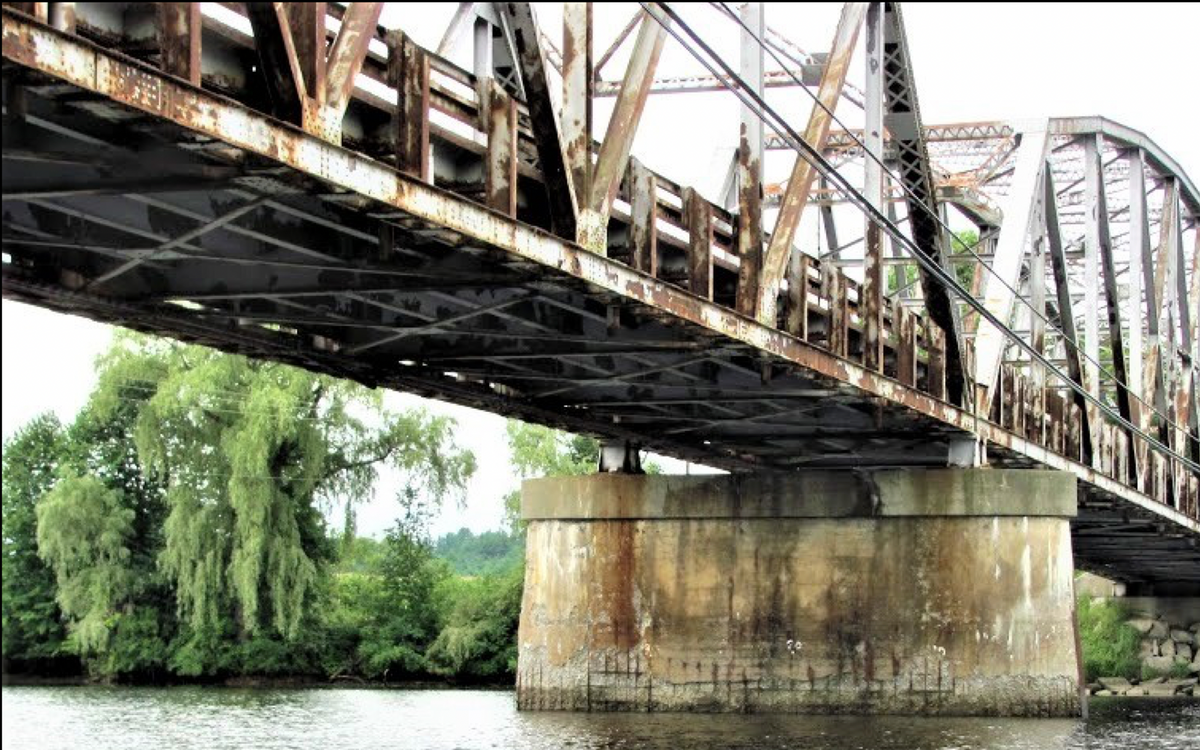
(1133, 63)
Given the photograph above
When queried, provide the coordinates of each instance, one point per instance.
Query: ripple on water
(187, 718)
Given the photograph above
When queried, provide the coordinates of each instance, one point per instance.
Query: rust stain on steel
(935, 369)
(137, 85)
(803, 173)
(906, 346)
(796, 318)
(698, 216)
(643, 209)
(871, 299)
(408, 73)
(306, 22)
(618, 139)
(500, 173)
(577, 93)
(348, 52)
(62, 16)
(749, 225)
(179, 27)
(838, 335)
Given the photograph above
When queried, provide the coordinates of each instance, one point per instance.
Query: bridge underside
(172, 211)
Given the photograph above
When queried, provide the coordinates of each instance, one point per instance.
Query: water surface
(187, 718)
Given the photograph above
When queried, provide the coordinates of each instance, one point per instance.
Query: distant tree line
(176, 529)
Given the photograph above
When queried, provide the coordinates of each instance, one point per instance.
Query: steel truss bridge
(296, 182)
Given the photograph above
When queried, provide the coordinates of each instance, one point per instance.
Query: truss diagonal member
(903, 122)
(347, 54)
(183, 239)
(1116, 341)
(1019, 207)
(279, 54)
(464, 17)
(637, 18)
(531, 60)
(440, 323)
(618, 139)
(1066, 313)
(803, 173)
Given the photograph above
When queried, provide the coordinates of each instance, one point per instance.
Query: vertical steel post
(872, 288)
(749, 165)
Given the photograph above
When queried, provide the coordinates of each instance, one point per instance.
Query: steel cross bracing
(330, 194)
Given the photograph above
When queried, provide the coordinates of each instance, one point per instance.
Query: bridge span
(377, 212)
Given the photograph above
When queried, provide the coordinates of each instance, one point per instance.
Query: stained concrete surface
(827, 592)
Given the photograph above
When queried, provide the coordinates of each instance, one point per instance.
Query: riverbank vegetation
(1109, 645)
(178, 529)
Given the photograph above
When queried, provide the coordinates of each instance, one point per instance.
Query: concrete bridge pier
(899, 591)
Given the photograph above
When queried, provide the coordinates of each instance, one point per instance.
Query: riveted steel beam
(1019, 208)
(179, 28)
(903, 122)
(804, 173)
(347, 54)
(1066, 313)
(618, 139)
(531, 59)
(749, 169)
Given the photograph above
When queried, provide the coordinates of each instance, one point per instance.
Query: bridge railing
(416, 110)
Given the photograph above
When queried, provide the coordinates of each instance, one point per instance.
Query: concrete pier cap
(883, 591)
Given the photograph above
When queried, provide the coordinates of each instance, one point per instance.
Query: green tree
(34, 637)
(477, 618)
(142, 619)
(1109, 644)
(539, 451)
(361, 554)
(402, 619)
(197, 483)
(488, 552)
(250, 453)
(543, 451)
(83, 531)
(964, 272)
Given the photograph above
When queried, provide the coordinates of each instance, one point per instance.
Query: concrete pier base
(907, 592)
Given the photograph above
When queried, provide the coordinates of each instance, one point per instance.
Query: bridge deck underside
(138, 220)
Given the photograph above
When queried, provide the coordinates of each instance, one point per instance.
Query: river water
(99, 718)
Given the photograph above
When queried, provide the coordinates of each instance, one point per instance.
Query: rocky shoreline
(1170, 659)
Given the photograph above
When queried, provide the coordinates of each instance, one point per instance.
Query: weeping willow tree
(252, 455)
(98, 529)
(83, 533)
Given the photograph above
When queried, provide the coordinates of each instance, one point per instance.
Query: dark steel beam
(561, 194)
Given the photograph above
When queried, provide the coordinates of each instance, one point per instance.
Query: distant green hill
(488, 553)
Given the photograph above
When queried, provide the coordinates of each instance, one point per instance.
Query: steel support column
(750, 165)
